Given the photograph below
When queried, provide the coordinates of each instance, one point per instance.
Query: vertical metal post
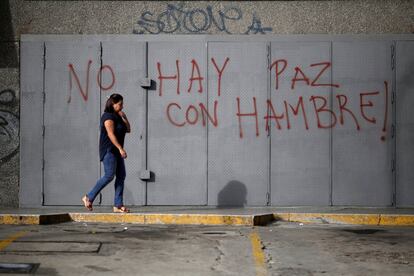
(43, 124)
(331, 133)
(100, 110)
(394, 125)
(207, 128)
(269, 96)
(146, 124)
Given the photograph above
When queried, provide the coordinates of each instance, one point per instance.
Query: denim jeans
(114, 166)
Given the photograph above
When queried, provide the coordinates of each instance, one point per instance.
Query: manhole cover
(18, 268)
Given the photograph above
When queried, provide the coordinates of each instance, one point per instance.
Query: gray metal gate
(238, 145)
(303, 120)
(31, 123)
(71, 117)
(123, 68)
(300, 172)
(177, 139)
(362, 159)
(405, 123)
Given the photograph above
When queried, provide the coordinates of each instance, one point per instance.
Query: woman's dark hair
(113, 99)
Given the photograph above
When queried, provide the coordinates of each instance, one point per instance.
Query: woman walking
(114, 125)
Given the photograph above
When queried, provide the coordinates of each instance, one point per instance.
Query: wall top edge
(212, 38)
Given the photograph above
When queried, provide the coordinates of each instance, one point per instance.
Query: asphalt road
(277, 249)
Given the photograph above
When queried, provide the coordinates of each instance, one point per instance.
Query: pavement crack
(218, 260)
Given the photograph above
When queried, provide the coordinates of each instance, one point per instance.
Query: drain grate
(18, 268)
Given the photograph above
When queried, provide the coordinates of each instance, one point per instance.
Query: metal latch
(145, 175)
(145, 83)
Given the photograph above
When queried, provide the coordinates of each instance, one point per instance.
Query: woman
(114, 125)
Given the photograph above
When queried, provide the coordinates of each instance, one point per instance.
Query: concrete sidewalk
(207, 215)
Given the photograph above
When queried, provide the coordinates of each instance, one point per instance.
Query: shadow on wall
(8, 51)
(232, 195)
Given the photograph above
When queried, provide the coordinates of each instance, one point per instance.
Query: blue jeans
(114, 166)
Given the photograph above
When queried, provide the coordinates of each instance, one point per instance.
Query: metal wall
(405, 123)
(243, 122)
(300, 170)
(71, 114)
(362, 158)
(123, 67)
(238, 148)
(177, 142)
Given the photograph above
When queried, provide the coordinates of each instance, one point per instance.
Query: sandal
(87, 203)
(121, 209)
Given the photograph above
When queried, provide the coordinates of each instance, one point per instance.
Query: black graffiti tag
(9, 127)
(177, 19)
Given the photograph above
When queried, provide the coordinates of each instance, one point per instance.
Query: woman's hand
(125, 119)
(123, 153)
(122, 114)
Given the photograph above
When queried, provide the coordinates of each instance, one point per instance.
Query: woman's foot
(87, 202)
(121, 209)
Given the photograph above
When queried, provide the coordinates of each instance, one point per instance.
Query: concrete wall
(140, 17)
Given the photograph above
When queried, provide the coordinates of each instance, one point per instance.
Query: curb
(25, 219)
(166, 219)
(354, 219)
(210, 219)
(176, 219)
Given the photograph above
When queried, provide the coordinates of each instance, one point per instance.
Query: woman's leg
(110, 164)
(119, 182)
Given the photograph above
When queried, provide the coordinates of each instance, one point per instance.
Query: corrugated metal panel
(300, 158)
(362, 158)
(31, 123)
(405, 123)
(177, 155)
(71, 121)
(238, 167)
(123, 67)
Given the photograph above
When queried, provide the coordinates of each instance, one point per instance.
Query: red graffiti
(277, 72)
(173, 77)
(195, 115)
(342, 108)
(327, 65)
(296, 112)
(323, 108)
(364, 104)
(220, 73)
(192, 114)
(195, 76)
(240, 115)
(271, 114)
(169, 116)
(84, 91)
(300, 75)
(320, 106)
(199, 78)
(205, 113)
(303, 78)
(112, 77)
